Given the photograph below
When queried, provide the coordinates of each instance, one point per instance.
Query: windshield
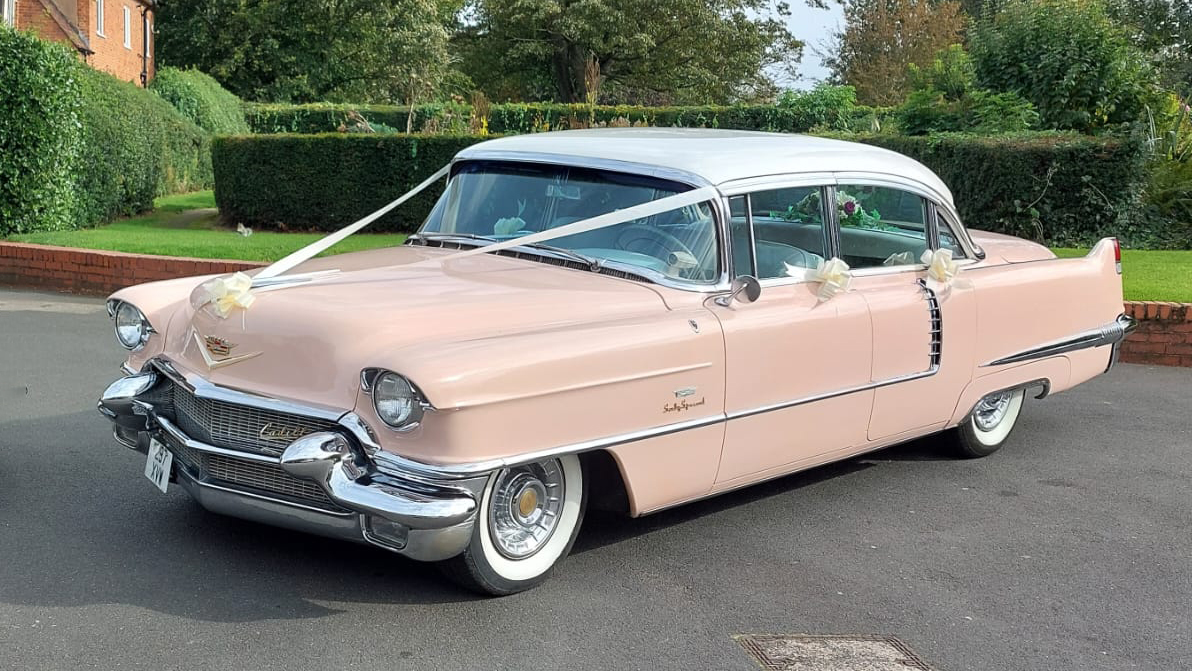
(505, 200)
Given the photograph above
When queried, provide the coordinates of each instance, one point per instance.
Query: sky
(813, 26)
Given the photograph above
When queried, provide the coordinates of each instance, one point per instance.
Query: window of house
(8, 12)
(880, 226)
(787, 232)
(99, 18)
(127, 28)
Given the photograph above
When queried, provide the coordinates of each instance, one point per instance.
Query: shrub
(797, 113)
(202, 100)
(945, 99)
(39, 134)
(136, 146)
(1068, 58)
(323, 182)
(1060, 188)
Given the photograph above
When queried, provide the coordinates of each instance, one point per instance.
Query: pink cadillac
(630, 319)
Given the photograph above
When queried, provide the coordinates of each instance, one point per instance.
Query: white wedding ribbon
(833, 276)
(227, 293)
(323, 244)
(600, 221)
(940, 266)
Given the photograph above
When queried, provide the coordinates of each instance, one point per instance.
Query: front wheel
(989, 425)
(528, 519)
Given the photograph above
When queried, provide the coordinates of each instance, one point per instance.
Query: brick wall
(100, 273)
(110, 54)
(31, 15)
(1164, 334)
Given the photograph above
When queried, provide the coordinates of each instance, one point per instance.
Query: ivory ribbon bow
(940, 266)
(833, 275)
(227, 293)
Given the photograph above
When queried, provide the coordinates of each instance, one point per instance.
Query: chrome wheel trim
(992, 410)
(525, 508)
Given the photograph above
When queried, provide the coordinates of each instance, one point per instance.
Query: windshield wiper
(435, 236)
(594, 264)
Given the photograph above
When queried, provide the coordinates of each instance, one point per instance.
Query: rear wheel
(528, 519)
(989, 425)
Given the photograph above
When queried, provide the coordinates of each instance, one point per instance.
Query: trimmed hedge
(79, 147)
(202, 100)
(135, 147)
(1061, 188)
(515, 118)
(39, 134)
(323, 182)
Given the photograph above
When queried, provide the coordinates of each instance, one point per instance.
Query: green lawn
(1151, 275)
(187, 225)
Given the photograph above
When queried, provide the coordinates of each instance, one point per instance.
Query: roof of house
(716, 156)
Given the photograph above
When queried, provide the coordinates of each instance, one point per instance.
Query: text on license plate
(157, 466)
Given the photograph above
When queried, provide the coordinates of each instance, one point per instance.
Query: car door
(791, 360)
(883, 230)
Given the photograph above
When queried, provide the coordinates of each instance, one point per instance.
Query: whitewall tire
(528, 519)
(989, 425)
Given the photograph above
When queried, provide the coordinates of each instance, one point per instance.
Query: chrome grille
(247, 474)
(238, 427)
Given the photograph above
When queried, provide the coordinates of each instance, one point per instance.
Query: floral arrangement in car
(849, 212)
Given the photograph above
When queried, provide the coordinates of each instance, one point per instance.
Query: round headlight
(132, 329)
(396, 401)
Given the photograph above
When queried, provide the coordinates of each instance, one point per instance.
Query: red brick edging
(86, 271)
(1164, 334)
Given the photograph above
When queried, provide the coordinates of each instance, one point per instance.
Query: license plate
(158, 465)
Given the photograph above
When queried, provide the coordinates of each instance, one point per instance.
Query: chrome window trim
(720, 212)
(746, 188)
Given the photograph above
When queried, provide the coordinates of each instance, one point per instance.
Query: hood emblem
(278, 432)
(219, 347)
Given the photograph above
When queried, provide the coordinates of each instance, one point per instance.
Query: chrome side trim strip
(387, 462)
(1109, 334)
(833, 394)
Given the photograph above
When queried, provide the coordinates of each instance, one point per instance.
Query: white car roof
(716, 156)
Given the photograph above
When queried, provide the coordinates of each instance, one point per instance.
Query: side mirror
(745, 288)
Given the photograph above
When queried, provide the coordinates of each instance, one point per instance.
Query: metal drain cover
(830, 653)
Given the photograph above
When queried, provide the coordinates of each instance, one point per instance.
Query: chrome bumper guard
(413, 516)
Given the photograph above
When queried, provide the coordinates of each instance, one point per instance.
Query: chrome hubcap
(525, 507)
(991, 410)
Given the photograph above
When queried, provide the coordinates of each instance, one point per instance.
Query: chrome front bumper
(407, 513)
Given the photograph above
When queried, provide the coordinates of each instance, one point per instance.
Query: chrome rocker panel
(413, 516)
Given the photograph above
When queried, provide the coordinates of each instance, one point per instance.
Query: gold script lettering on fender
(683, 405)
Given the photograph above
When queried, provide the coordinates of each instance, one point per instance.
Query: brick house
(115, 36)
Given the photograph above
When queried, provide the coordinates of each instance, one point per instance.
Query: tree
(1163, 29)
(652, 51)
(1069, 58)
(881, 38)
(310, 50)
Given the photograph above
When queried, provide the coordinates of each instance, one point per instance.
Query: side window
(788, 229)
(880, 226)
(948, 238)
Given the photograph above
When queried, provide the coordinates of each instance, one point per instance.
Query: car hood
(398, 308)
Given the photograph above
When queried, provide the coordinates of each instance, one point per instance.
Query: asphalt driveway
(1069, 549)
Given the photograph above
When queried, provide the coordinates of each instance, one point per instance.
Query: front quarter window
(506, 200)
